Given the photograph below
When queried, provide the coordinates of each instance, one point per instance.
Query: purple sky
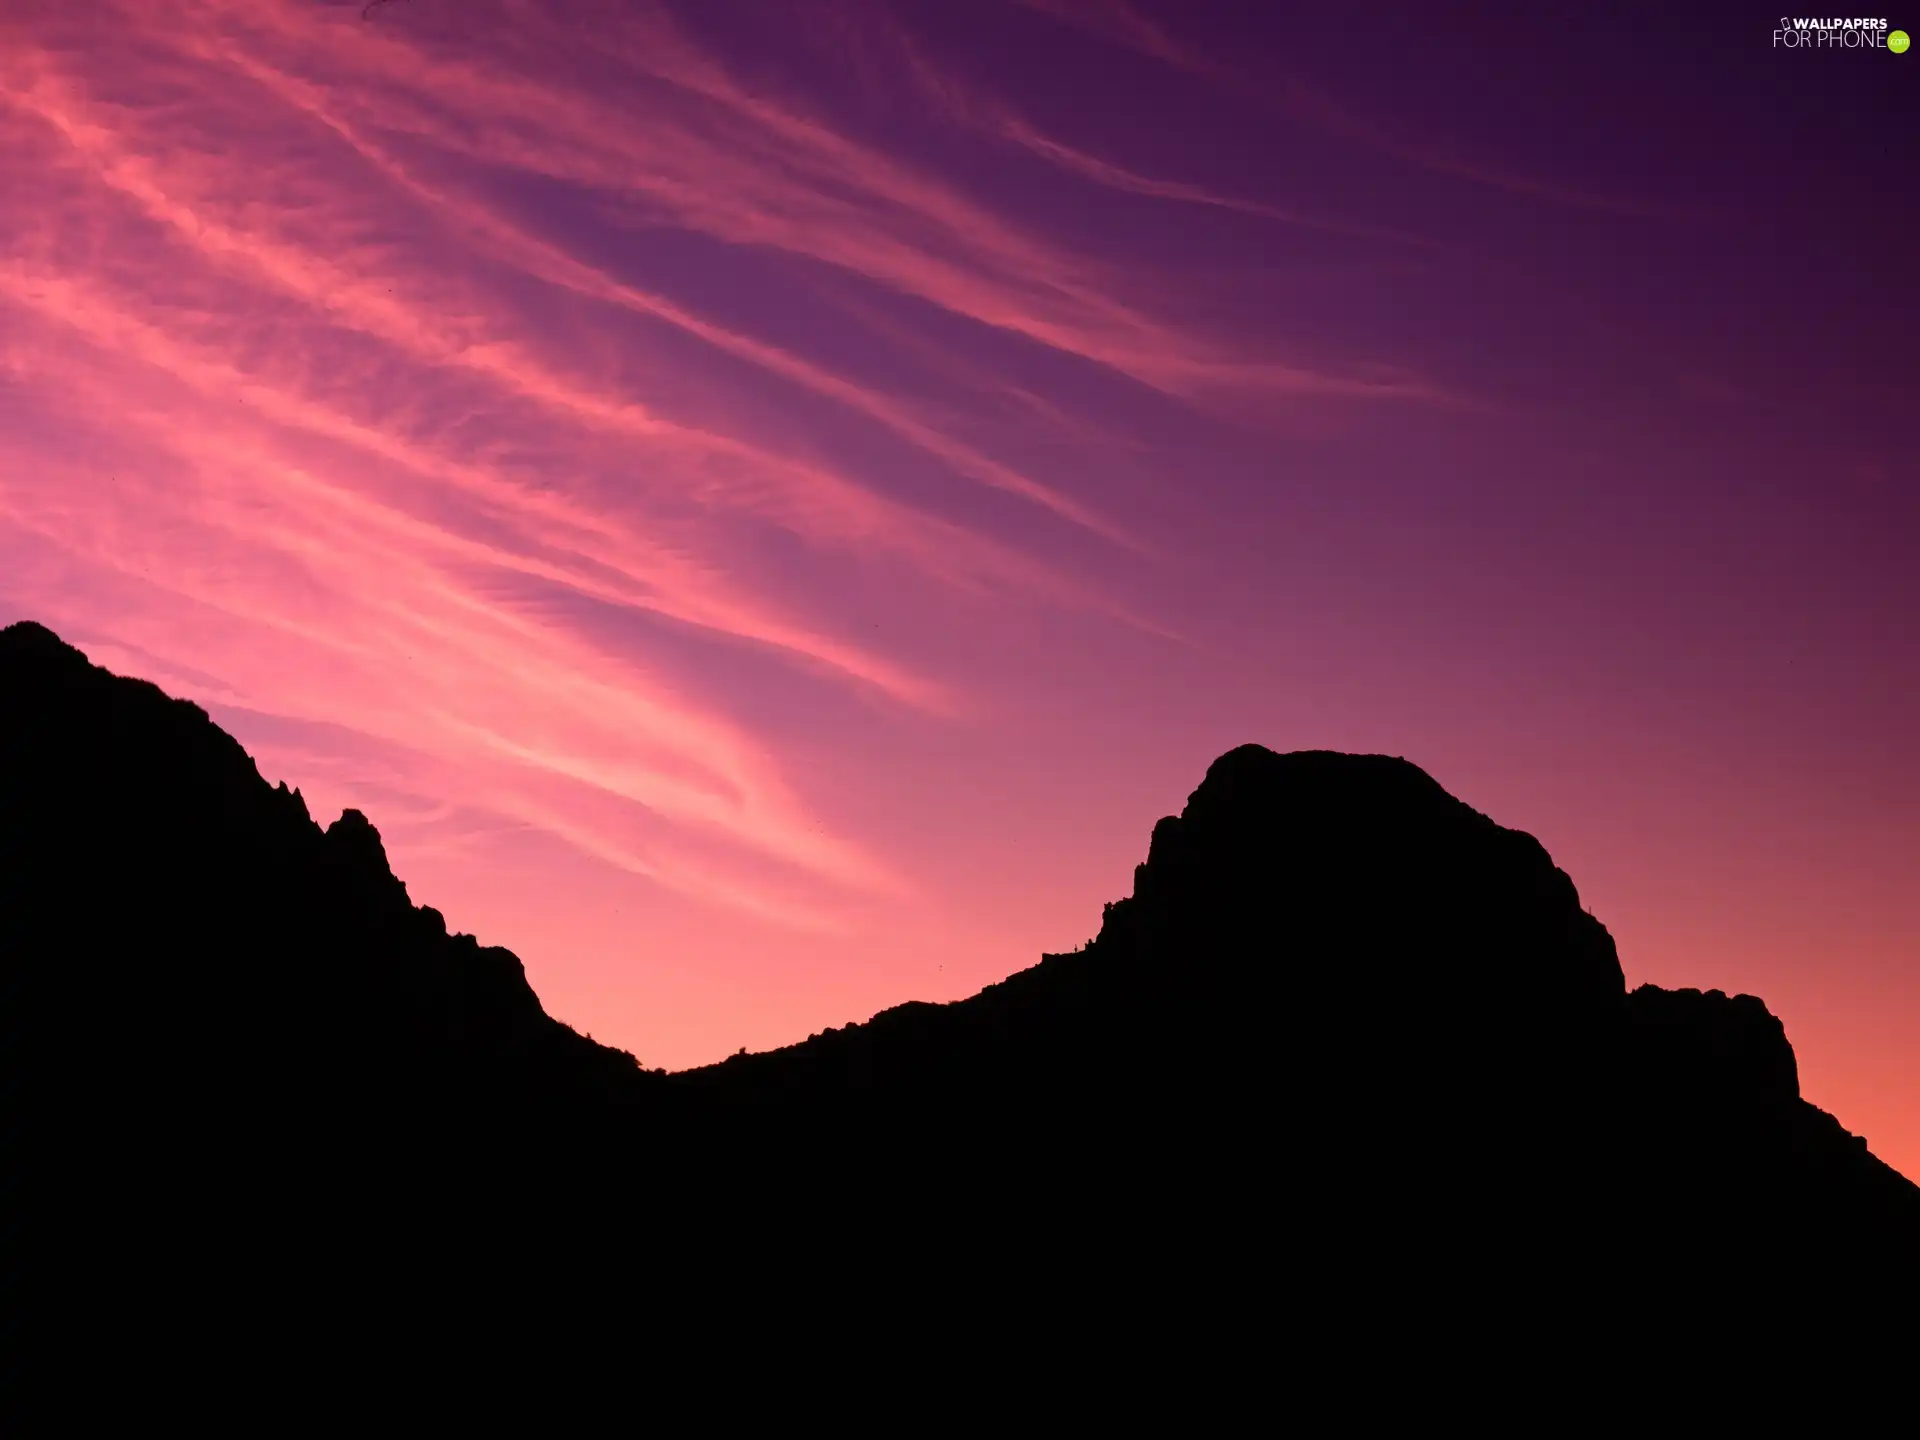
(764, 504)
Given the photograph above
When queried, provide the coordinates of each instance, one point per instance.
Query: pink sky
(764, 505)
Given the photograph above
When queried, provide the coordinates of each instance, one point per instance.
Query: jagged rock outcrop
(1341, 996)
(181, 937)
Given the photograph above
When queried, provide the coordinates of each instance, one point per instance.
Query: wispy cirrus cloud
(321, 601)
(1313, 105)
(293, 356)
(1290, 92)
(1123, 24)
(976, 109)
(691, 146)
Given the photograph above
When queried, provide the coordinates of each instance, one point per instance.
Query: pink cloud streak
(752, 171)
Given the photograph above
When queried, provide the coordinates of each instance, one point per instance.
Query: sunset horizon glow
(764, 505)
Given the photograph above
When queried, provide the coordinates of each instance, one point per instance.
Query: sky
(764, 504)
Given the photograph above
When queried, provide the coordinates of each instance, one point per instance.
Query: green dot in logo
(1897, 41)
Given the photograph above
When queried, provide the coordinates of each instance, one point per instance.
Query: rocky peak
(355, 847)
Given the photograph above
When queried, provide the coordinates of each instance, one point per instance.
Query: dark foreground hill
(1346, 1032)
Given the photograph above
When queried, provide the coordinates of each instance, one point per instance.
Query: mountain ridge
(112, 774)
(1336, 992)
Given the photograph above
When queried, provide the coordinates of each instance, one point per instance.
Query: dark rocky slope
(1345, 1024)
(181, 936)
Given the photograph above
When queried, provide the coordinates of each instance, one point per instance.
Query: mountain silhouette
(1346, 1031)
(171, 916)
